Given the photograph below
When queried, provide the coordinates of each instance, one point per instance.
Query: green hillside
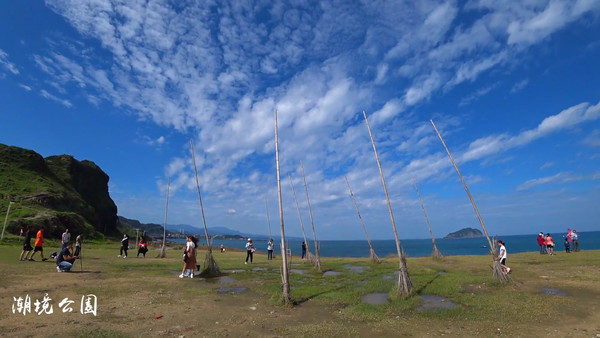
(55, 193)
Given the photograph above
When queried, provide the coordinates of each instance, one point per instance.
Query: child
(567, 245)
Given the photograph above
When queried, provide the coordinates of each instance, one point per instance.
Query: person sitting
(65, 260)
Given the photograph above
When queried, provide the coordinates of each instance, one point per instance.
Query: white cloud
(54, 98)
(9, 66)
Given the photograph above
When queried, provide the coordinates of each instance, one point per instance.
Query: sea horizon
(588, 240)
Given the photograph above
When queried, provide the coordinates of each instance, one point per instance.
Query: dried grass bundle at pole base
(163, 248)
(497, 268)
(405, 287)
(315, 261)
(436, 254)
(211, 268)
(372, 255)
(285, 273)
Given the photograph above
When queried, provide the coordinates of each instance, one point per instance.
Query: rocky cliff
(55, 193)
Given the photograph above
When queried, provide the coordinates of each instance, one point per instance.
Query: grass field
(556, 296)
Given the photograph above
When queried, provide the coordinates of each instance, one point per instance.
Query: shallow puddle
(355, 268)
(331, 273)
(231, 290)
(259, 269)
(435, 303)
(298, 271)
(375, 298)
(555, 292)
(220, 280)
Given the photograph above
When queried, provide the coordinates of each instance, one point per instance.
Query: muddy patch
(435, 303)
(554, 292)
(376, 298)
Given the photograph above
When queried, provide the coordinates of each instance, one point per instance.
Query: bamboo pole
(498, 271)
(299, 215)
(211, 267)
(372, 254)
(268, 217)
(435, 253)
(285, 274)
(405, 287)
(163, 252)
(316, 261)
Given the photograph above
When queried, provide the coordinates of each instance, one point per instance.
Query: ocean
(420, 247)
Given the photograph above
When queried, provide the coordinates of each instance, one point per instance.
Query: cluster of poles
(404, 286)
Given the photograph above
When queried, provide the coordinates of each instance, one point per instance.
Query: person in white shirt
(502, 256)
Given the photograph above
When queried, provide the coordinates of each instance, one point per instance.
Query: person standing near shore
(249, 251)
(550, 245)
(542, 243)
(303, 250)
(575, 238)
(270, 246)
(502, 256)
(26, 244)
(124, 246)
(39, 245)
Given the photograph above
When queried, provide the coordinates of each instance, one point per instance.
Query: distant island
(465, 233)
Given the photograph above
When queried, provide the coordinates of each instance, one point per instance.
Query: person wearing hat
(249, 251)
(542, 243)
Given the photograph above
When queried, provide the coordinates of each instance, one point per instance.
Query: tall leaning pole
(405, 287)
(285, 274)
(498, 270)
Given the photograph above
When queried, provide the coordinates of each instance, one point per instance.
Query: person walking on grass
(26, 244)
(124, 246)
(65, 260)
(249, 251)
(502, 256)
(39, 245)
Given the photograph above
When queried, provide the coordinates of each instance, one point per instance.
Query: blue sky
(513, 87)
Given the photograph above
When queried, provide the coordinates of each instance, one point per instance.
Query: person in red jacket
(542, 243)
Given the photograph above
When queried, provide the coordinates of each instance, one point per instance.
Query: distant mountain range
(173, 230)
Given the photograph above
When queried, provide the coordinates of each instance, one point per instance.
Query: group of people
(64, 260)
(250, 249)
(142, 247)
(189, 257)
(546, 242)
